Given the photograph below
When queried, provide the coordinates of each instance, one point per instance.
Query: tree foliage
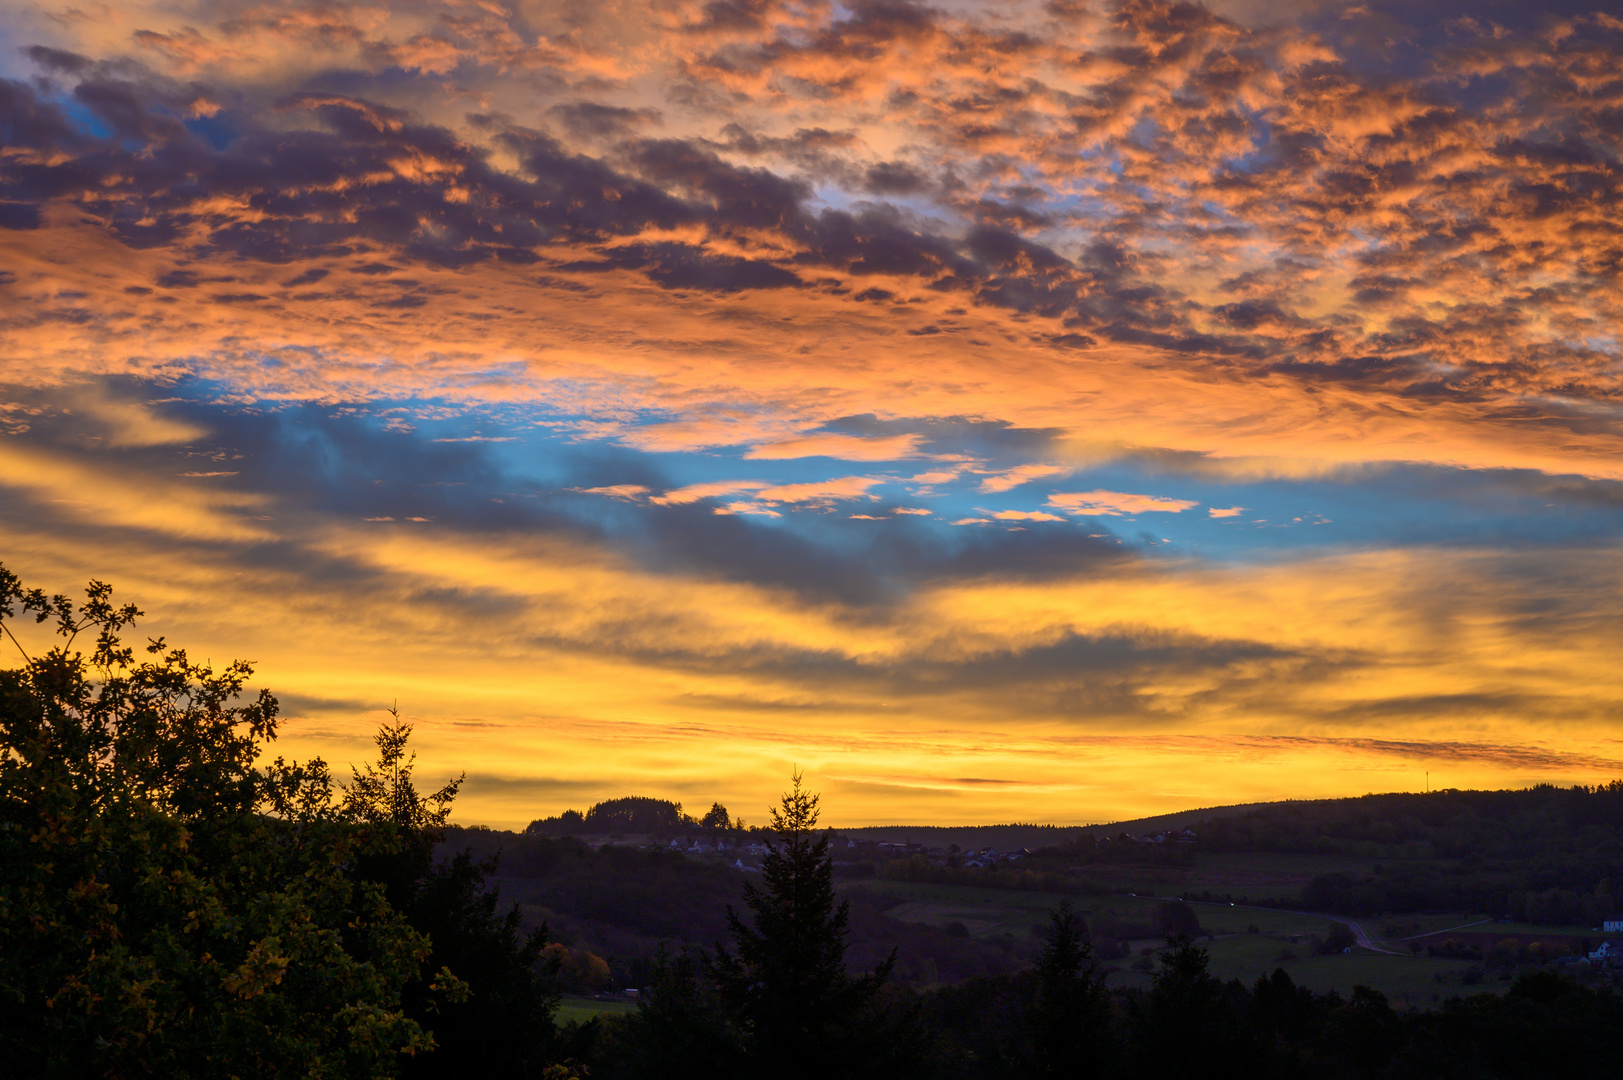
(172, 906)
(1189, 1026)
(166, 906)
(632, 814)
(500, 1021)
(716, 818)
(1174, 918)
(681, 1029)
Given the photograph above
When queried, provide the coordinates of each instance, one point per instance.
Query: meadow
(1244, 943)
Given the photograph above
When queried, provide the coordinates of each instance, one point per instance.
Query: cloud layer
(820, 370)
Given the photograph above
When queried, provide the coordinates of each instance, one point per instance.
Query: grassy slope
(1281, 940)
(582, 1009)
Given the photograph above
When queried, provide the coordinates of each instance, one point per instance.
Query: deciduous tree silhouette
(716, 818)
(171, 907)
(168, 907)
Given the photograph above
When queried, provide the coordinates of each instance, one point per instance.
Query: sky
(1054, 412)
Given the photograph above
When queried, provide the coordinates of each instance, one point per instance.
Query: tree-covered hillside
(1540, 855)
(622, 902)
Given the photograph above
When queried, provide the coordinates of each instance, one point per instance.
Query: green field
(1281, 939)
(1406, 980)
(1508, 928)
(582, 1009)
(990, 912)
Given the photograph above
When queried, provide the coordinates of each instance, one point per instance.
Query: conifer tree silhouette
(802, 1014)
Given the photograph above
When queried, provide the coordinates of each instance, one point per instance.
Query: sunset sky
(1001, 411)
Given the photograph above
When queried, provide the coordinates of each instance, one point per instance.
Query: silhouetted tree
(801, 1014)
(1362, 1032)
(1282, 1007)
(400, 826)
(1337, 938)
(980, 1027)
(681, 1029)
(1177, 919)
(502, 1022)
(716, 817)
(636, 815)
(1188, 1027)
(1070, 1018)
(169, 907)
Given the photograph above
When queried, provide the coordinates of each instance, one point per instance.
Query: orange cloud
(1021, 515)
(1206, 245)
(694, 492)
(742, 507)
(1022, 474)
(844, 487)
(626, 492)
(583, 665)
(1116, 503)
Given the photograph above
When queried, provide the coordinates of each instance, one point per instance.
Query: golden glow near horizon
(1035, 412)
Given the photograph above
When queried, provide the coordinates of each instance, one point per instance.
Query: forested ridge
(176, 902)
(1543, 855)
(1540, 855)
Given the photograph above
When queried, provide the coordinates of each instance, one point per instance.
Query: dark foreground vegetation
(171, 906)
(168, 907)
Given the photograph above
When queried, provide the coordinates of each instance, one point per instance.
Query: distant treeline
(1189, 1024)
(1541, 855)
(640, 815)
(633, 815)
(1445, 824)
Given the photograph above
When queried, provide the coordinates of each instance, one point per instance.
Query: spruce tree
(802, 1014)
(1070, 1017)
